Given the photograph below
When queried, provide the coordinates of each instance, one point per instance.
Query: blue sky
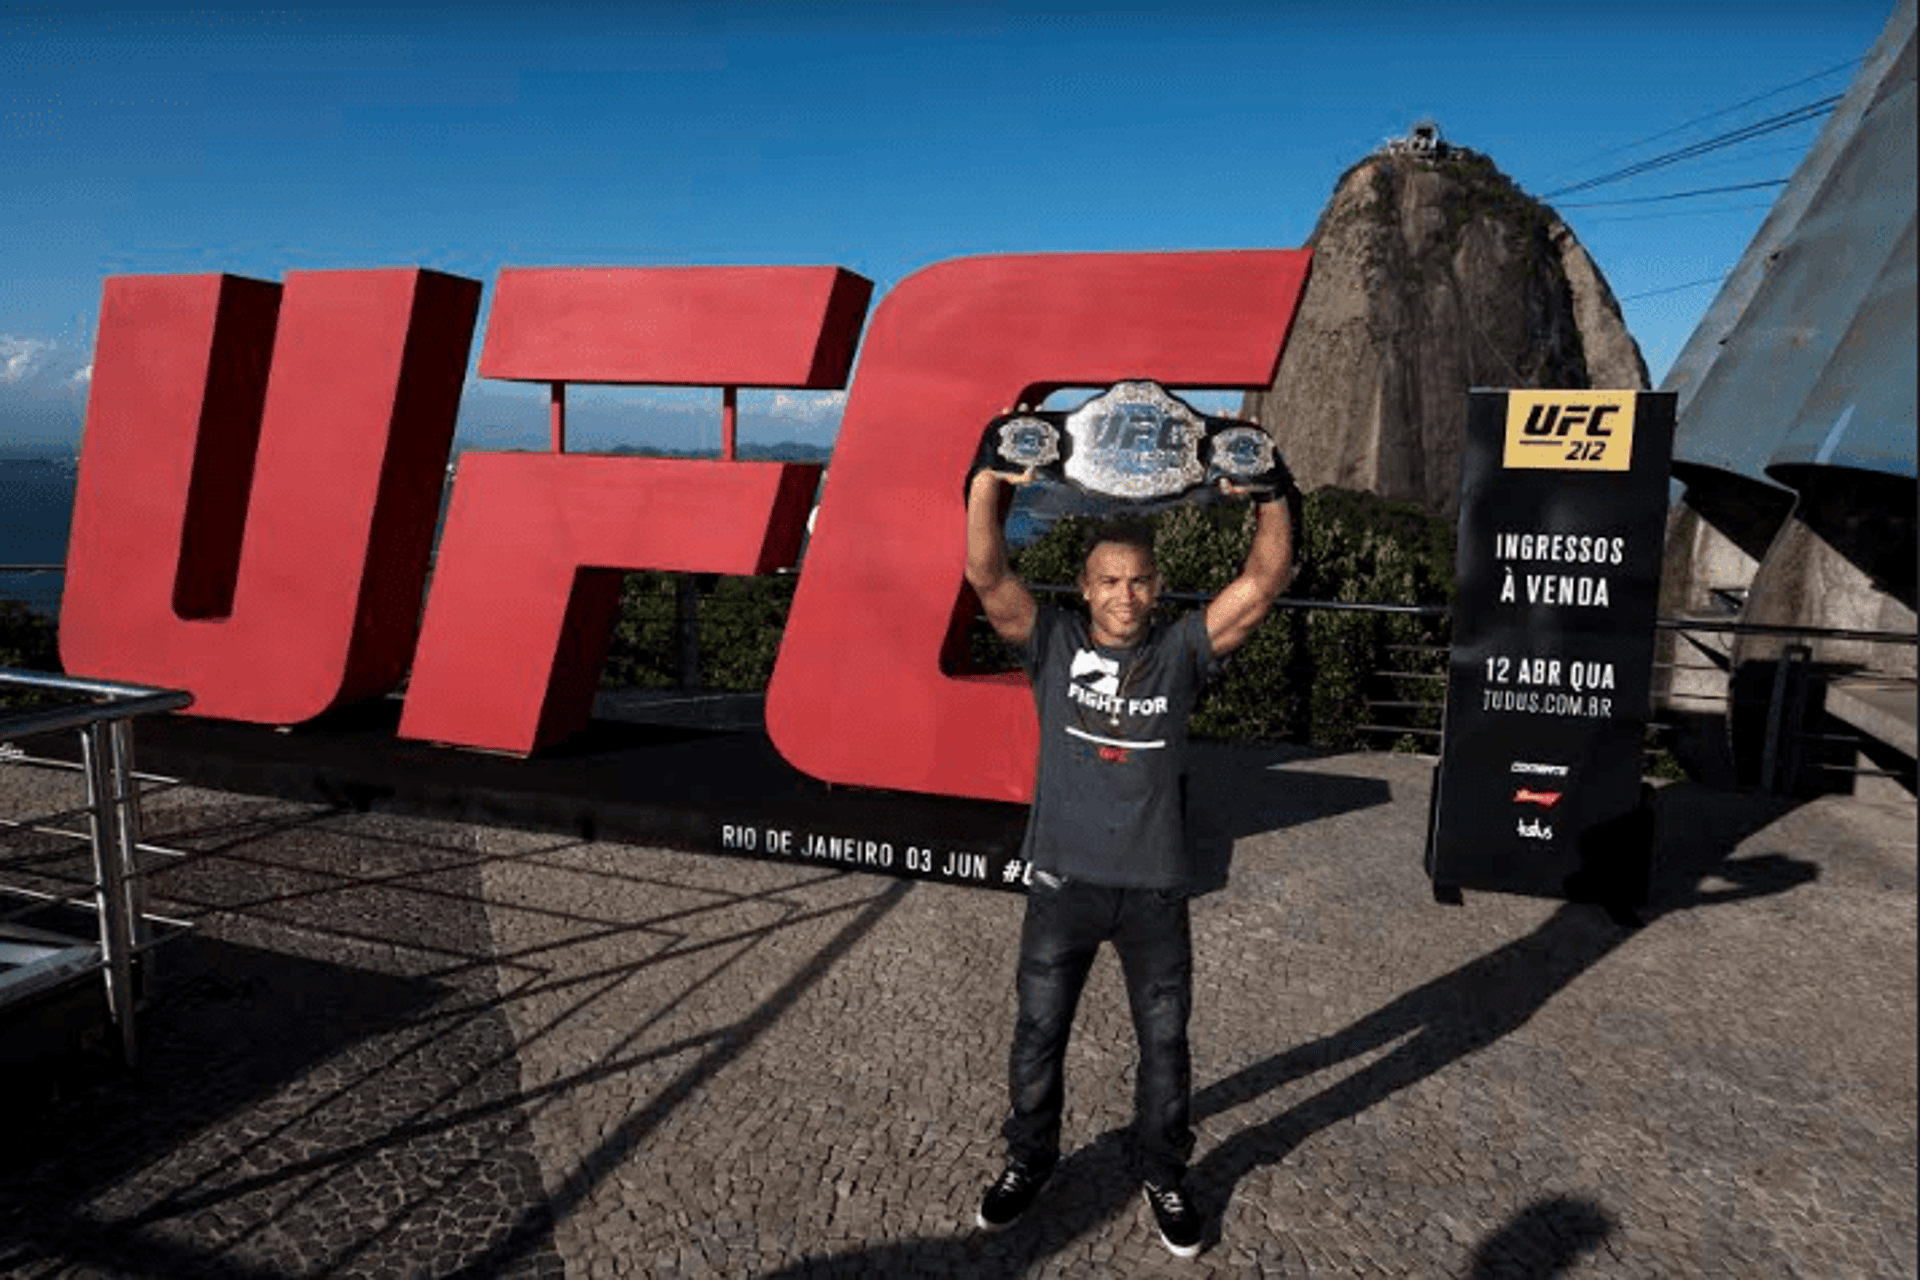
(881, 138)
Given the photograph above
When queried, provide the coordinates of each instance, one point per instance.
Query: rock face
(1433, 273)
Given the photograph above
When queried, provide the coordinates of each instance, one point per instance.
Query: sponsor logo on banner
(1534, 829)
(1545, 770)
(1545, 799)
(1569, 431)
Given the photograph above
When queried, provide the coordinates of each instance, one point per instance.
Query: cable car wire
(1784, 120)
(1676, 195)
(1715, 115)
(1674, 288)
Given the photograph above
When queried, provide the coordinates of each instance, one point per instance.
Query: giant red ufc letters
(260, 539)
(262, 466)
(532, 554)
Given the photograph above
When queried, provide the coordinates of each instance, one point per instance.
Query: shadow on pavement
(231, 1025)
(662, 785)
(297, 1116)
(316, 1005)
(600, 1163)
(1547, 1238)
(1436, 1025)
(1235, 792)
(1458, 1014)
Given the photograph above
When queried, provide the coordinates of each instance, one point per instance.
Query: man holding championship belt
(1106, 835)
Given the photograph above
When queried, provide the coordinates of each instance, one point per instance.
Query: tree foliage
(739, 619)
(1306, 675)
(28, 642)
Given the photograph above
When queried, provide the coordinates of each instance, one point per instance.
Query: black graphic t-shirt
(1108, 801)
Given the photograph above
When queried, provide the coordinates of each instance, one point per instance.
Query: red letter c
(858, 694)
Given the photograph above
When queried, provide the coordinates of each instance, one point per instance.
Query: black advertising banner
(1563, 505)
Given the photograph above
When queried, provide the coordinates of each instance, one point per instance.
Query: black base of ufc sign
(1563, 503)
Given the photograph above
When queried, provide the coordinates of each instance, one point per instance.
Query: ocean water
(36, 508)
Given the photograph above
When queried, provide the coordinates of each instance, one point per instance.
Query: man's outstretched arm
(1009, 608)
(1240, 607)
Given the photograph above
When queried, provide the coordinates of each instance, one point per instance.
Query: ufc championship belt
(1138, 444)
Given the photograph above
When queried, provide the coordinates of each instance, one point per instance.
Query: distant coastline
(36, 510)
(785, 451)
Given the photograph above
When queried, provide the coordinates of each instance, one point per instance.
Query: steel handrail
(78, 717)
(113, 808)
(1786, 629)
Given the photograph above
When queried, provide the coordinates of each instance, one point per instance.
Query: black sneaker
(1177, 1219)
(1008, 1198)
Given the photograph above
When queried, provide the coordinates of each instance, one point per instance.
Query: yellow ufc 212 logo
(1569, 430)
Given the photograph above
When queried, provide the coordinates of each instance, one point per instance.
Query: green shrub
(28, 642)
(1304, 676)
(741, 620)
(1665, 766)
(644, 653)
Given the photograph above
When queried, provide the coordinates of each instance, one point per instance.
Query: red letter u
(259, 482)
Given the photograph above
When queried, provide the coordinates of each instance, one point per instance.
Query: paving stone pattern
(405, 1048)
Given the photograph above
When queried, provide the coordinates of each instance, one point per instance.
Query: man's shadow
(1443, 1021)
(1437, 1024)
(1234, 791)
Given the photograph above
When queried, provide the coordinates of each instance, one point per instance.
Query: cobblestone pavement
(405, 1048)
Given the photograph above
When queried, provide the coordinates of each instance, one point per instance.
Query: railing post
(1783, 719)
(104, 811)
(687, 629)
(131, 824)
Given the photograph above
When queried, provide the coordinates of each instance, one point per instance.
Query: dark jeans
(1151, 933)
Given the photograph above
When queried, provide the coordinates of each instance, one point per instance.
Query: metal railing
(1795, 687)
(1420, 707)
(117, 891)
(1403, 703)
(1783, 736)
(1786, 738)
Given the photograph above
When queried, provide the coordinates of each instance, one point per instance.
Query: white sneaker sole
(1177, 1250)
(980, 1220)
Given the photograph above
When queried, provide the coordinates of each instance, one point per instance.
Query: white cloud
(497, 415)
(20, 357)
(44, 384)
(808, 406)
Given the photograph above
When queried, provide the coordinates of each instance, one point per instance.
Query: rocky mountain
(1433, 273)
